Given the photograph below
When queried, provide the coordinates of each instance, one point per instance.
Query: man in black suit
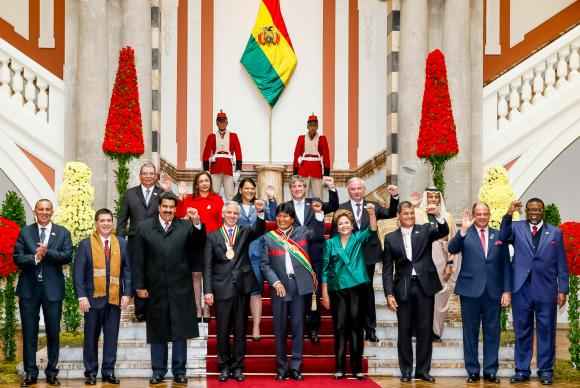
(40, 252)
(140, 203)
(412, 293)
(372, 248)
(162, 271)
(305, 216)
(102, 280)
(228, 279)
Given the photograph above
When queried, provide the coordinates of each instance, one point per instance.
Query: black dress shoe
(425, 377)
(281, 376)
(358, 375)
(473, 378)
(314, 338)
(371, 335)
(110, 379)
(224, 375)
(27, 381)
(436, 338)
(155, 379)
(52, 380)
(91, 380)
(491, 379)
(519, 378)
(546, 380)
(339, 375)
(238, 375)
(295, 375)
(406, 378)
(180, 379)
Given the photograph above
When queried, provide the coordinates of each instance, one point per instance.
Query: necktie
(358, 210)
(42, 235)
(230, 232)
(147, 193)
(166, 227)
(39, 274)
(107, 250)
(482, 239)
(534, 230)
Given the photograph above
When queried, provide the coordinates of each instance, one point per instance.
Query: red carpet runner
(261, 355)
(308, 382)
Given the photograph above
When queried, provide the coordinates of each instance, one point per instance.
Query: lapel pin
(547, 233)
(492, 237)
(53, 234)
(155, 194)
(417, 232)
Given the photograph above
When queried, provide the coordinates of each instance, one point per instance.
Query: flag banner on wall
(269, 56)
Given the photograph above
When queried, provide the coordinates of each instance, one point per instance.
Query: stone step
(439, 368)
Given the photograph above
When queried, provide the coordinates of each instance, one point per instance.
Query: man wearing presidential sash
(287, 267)
(102, 280)
(228, 281)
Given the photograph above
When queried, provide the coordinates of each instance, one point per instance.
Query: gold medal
(230, 253)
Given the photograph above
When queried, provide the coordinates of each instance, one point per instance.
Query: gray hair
(296, 178)
(147, 164)
(229, 204)
(356, 179)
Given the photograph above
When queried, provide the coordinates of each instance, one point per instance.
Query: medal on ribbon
(230, 242)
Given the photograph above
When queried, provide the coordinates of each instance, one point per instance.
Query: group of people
(177, 255)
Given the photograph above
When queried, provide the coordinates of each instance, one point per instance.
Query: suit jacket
(134, 210)
(422, 237)
(274, 259)
(480, 273)
(372, 249)
(59, 253)
(250, 217)
(225, 278)
(83, 273)
(546, 266)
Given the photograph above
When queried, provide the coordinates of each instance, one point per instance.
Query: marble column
(92, 92)
(476, 36)
(456, 47)
(271, 175)
(413, 173)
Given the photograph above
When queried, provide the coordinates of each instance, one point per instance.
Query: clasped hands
(85, 305)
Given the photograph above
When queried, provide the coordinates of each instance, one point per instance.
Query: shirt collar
(162, 222)
(353, 203)
(298, 202)
(103, 239)
(539, 225)
(48, 227)
(406, 230)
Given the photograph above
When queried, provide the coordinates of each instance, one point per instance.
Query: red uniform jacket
(209, 208)
(313, 169)
(221, 165)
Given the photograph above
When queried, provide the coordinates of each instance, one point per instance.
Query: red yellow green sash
(295, 250)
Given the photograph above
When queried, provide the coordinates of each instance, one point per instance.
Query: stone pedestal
(271, 175)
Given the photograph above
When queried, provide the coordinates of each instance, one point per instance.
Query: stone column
(413, 174)
(456, 47)
(476, 37)
(92, 92)
(271, 175)
(137, 34)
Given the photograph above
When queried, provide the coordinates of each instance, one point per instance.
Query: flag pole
(270, 136)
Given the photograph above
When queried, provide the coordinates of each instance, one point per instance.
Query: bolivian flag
(269, 56)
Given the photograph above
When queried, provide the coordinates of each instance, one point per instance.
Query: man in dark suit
(140, 203)
(102, 280)
(286, 266)
(162, 271)
(372, 248)
(305, 217)
(540, 283)
(228, 281)
(484, 285)
(412, 293)
(40, 252)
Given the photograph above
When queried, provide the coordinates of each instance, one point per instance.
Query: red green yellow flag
(269, 56)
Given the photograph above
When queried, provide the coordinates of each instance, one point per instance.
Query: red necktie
(482, 239)
(107, 250)
(534, 230)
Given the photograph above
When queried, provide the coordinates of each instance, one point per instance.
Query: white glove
(236, 176)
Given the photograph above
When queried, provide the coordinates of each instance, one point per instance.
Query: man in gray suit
(286, 266)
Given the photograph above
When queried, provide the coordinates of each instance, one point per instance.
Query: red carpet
(308, 382)
(260, 355)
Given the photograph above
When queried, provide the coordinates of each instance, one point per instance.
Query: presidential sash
(295, 250)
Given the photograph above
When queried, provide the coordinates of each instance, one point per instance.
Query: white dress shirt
(47, 232)
(354, 206)
(539, 226)
(287, 259)
(299, 208)
(406, 232)
(144, 190)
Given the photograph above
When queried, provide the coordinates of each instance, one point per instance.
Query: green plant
(72, 317)
(552, 215)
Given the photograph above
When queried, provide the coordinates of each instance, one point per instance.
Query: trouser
(292, 305)
(415, 315)
(524, 309)
(107, 319)
(347, 321)
(313, 187)
(29, 317)
(140, 304)
(227, 181)
(484, 311)
(159, 355)
(231, 316)
(370, 313)
(312, 316)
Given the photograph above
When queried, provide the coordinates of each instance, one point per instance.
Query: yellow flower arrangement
(497, 192)
(75, 199)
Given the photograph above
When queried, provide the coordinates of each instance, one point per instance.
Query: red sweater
(209, 208)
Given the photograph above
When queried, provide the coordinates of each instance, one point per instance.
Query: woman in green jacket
(344, 282)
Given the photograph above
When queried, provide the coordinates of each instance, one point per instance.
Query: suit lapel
(364, 216)
(141, 197)
(52, 236)
(36, 236)
(528, 234)
(307, 212)
(415, 233)
(544, 237)
(402, 243)
(475, 233)
(491, 241)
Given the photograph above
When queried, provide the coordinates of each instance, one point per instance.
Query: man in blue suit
(102, 280)
(40, 252)
(484, 285)
(540, 282)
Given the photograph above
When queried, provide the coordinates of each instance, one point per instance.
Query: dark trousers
(231, 316)
(484, 311)
(524, 308)
(312, 316)
(415, 316)
(160, 352)
(105, 318)
(370, 313)
(140, 304)
(348, 326)
(29, 318)
(292, 305)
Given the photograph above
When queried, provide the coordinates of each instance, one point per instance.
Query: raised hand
(182, 189)
(415, 199)
(270, 192)
(466, 221)
(165, 181)
(393, 190)
(515, 206)
(329, 182)
(433, 210)
(259, 205)
(316, 206)
(193, 215)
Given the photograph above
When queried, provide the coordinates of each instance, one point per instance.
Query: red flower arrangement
(437, 141)
(124, 129)
(9, 231)
(571, 235)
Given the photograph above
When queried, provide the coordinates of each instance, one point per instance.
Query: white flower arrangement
(497, 193)
(75, 199)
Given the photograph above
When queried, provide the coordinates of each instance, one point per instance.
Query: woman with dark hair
(209, 206)
(344, 284)
(245, 197)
